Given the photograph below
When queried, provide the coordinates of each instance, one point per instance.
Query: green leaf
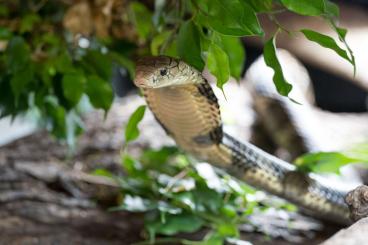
(28, 22)
(212, 238)
(218, 64)
(20, 79)
(159, 157)
(158, 41)
(228, 211)
(305, 7)
(63, 63)
(73, 86)
(103, 172)
(260, 5)
(207, 198)
(142, 18)
(99, 92)
(228, 230)
(5, 34)
(270, 57)
(359, 152)
(174, 224)
(57, 115)
(4, 11)
(131, 129)
(341, 33)
(131, 166)
(233, 17)
(332, 9)
(18, 54)
(172, 49)
(99, 63)
(323, 162)
(188, 45)
(235, 52)
(327, 42)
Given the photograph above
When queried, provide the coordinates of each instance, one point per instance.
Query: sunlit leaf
(131, 129)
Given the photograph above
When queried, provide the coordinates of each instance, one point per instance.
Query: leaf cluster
(49, 72)
(178, 197)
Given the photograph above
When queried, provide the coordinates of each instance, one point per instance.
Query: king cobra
(185, 105)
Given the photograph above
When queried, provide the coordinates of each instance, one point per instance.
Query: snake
(184, 104)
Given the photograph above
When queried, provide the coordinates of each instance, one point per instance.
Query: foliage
(56, 54)
(331, 162)
(178, 197)
(131, 131)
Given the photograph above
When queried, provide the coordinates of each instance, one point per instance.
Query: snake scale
(184, 104)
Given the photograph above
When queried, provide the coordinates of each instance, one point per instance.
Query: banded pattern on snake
(184, 104)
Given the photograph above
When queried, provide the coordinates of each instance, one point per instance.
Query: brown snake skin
(184, 104)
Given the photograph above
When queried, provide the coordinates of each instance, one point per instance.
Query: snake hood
(164, 71)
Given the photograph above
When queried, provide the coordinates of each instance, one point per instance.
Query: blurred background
(66, 96)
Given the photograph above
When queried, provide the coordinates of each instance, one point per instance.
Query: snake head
(162, 71)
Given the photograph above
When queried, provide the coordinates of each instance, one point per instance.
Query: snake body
(184, 104)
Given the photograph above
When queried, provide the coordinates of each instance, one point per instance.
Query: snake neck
(190, 114)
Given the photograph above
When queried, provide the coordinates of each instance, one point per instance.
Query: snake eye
(163, 72)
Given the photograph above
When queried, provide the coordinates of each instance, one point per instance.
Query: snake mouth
(141, 80)
(140, 83)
